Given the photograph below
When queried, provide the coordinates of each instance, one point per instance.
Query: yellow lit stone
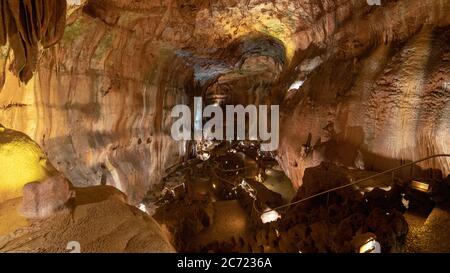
(21, 162)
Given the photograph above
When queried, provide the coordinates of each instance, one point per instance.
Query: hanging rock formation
(26, 26)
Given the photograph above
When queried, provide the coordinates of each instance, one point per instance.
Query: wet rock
(377, 219)
(388, 200)
(320, 233)
(399, 224)
(349, 226)
(332, 224)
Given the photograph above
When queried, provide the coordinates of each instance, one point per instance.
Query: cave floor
(233, 227)
(101, 222)
(10, 219)
(429, 234)
(230, 223)
(214, 211)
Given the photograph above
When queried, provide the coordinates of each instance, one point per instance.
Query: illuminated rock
(21, 162)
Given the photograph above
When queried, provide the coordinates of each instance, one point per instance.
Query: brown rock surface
(377, 111)
(45, 198)
(100, 222)
(25, 26)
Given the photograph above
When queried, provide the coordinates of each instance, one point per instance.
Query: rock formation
(45, 198)
(27, 25)
(100, 222)
(50, 215)
(21, 161)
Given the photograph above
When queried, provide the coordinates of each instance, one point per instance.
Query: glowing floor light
(420, 186)
(270, 216)
(371, 246)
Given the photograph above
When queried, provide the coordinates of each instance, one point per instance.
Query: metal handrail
(359, 181)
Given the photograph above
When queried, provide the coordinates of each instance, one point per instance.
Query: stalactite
(28, 25)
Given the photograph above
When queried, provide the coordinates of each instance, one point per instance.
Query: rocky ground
(429, 233)
(100, 222)
(221, 218)
(215, 205)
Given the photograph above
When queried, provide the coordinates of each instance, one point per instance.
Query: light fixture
(259, 178)
(270, 216)
(204, 156)
(248, 189)
(405, 202)
(371, 246)
(420, 186)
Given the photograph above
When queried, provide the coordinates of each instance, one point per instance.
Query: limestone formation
(21, 161)
(27, 25)
(45, 198)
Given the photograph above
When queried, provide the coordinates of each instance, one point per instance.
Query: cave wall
(378, 99)
(388, 108)
(99, 103)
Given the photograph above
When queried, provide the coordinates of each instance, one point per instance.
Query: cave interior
(358, 95)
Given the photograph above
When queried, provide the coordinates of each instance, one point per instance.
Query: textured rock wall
(100, 100)
(379, 99)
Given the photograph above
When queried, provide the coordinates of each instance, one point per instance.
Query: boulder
(46, 198)
(21, 161)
